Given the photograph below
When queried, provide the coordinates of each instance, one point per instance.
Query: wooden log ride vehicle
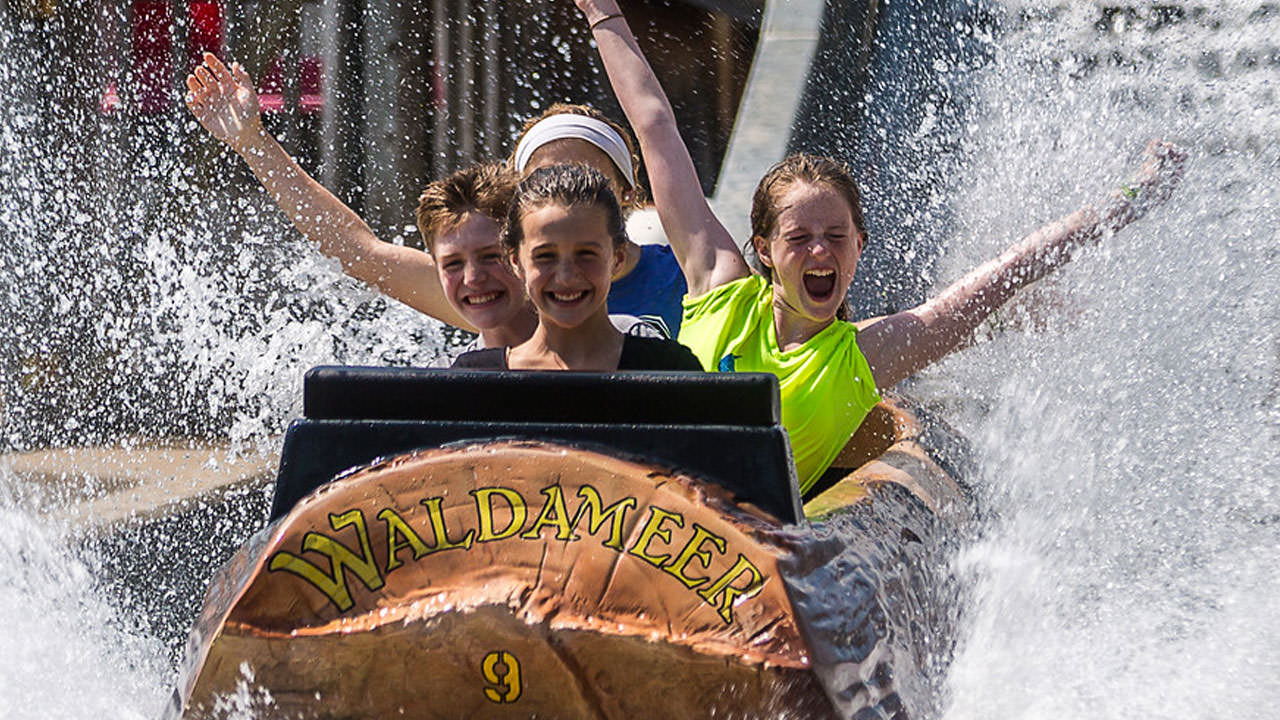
(449, 544)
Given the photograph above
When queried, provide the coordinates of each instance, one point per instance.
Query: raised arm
(224, 101)
(705, 250)
(899, 345)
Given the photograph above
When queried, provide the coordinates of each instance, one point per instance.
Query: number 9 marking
(502, 671)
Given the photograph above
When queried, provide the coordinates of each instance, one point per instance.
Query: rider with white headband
(649, 284)
(581, 127)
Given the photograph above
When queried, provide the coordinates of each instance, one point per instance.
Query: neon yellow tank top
(825, 385)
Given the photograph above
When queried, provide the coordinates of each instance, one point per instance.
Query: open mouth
(820, 284)
(482, 300)
(568, 298)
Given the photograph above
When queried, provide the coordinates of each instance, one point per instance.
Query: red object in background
(110, 100)
(271, 95)
(204, 31)
(153, 55)
(311, 83)
(153, 70)
(437, 88)
(271, 88)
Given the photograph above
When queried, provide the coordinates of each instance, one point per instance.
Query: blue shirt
(653, 291)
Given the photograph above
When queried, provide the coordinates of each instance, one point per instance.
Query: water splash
(61, 633)
(151, 289)
(1129, 444)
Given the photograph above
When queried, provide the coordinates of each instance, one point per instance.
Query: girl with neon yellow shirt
(808, 232)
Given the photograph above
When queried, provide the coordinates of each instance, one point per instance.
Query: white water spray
(1130, 447)
(67, 652)
(144, 293)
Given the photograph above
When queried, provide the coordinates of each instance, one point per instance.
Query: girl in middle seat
(566, 239)
(649, 284)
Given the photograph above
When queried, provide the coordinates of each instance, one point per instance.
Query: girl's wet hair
(801, 167)
(566, 186)
(813, 169)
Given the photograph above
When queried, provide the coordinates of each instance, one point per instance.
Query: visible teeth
(820, 273)
(482, 299)
(562, 297)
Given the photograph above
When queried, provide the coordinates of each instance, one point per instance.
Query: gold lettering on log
(591, 508)
(653, 528)
(729, 592)
(341, 558)
(399, 537)
(484, 513)
(693, 549)
(554, 514)
(690, 565)
(436, 514)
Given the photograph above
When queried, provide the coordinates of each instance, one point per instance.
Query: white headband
(576, 127)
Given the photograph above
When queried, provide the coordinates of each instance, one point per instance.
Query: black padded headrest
(721, 427)
(669, 398)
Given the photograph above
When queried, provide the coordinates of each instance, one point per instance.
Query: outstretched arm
(899, 345)
(224, 101)
(705, 250)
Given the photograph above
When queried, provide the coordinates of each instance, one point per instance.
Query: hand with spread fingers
(1160, 174)
(225, 102)
(1162, 170)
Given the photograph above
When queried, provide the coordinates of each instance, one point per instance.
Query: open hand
(1162, 167)
(225, 102)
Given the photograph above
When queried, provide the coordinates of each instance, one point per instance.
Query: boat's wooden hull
(509, 579)
(528, 579)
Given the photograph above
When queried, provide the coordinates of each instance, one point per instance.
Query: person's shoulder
(841, 336)
(742, 292)
(484, 359)
(451, 355)
(658, 270)
(658, 255)
(664, 263)
(648, 353)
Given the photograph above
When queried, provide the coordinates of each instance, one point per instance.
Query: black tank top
(638, 353)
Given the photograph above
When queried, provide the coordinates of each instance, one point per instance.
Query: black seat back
(720, 427)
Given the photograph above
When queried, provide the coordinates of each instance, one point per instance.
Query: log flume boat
(450, 544)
